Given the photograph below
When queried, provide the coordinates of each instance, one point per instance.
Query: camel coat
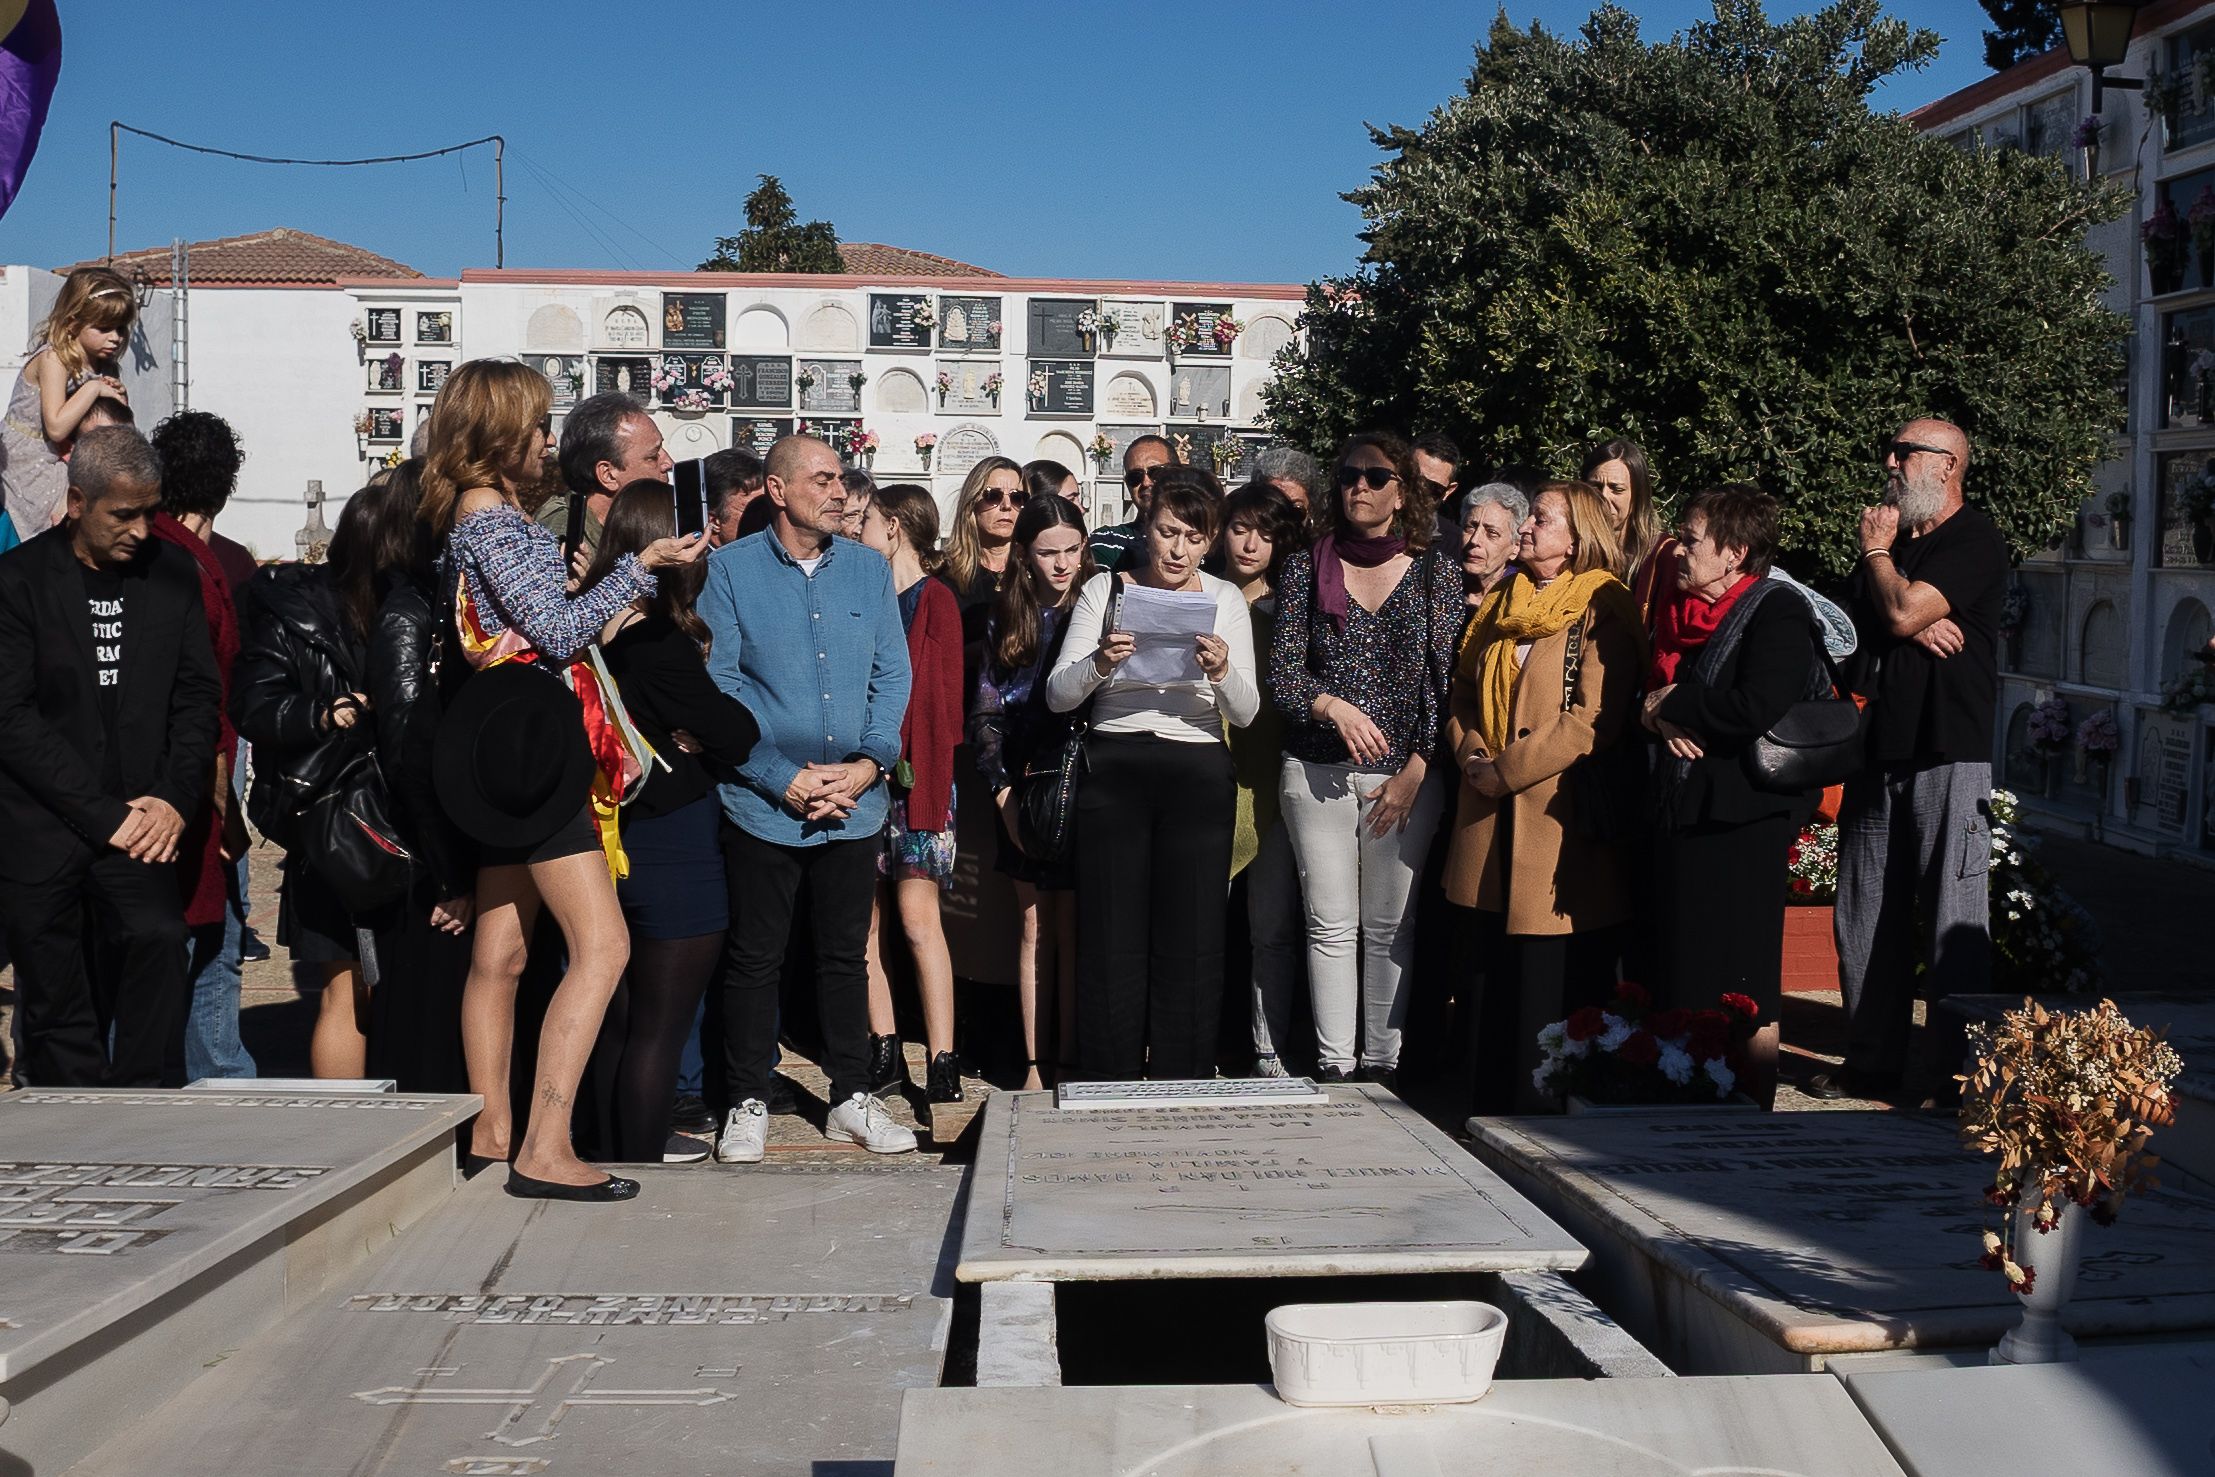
(1536, 869)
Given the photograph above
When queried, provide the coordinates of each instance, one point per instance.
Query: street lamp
(2098, 36)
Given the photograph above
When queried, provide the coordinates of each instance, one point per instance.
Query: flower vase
(2118, 533)
(2052, 1257)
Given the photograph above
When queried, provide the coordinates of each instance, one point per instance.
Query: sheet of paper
(1164, 623)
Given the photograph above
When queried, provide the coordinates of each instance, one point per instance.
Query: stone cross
(522, 1404)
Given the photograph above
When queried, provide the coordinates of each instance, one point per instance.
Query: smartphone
(691, 493)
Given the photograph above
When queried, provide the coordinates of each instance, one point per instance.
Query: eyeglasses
(1378, 478)
(1902, 450)
(1136, 475)
(1000, 497)
(1435, 488)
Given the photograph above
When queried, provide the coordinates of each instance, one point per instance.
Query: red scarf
(1330, 572)
(1684, 625)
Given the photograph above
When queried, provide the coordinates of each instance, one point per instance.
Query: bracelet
(1872, 553)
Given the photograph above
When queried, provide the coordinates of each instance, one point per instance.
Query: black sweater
(664, 680)
(1766, 675)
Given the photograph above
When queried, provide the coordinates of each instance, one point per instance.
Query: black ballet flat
(473, 1165)
(614, 1187)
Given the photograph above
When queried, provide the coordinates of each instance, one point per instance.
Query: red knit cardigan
(932, 725)
(202, 875)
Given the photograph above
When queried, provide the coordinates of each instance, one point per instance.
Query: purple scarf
(1330, 574)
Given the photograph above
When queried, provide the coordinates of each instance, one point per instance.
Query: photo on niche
(827, 386)
(758, 433)
(1206, 328)
(565, 376)
(692, 320)
(434, 328)
(968, 322)
(691, 381)
(901, 320)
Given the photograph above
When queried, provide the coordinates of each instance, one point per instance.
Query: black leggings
(642, 1037)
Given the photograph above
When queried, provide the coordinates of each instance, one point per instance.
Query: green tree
(2020, 29)
(1713, 246)
(774, 240)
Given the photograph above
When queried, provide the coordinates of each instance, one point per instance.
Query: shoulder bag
(1818, 742)
(1046, 794)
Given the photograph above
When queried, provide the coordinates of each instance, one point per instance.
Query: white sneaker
(1268, 1065)
(745, 1137)
(868, 1123)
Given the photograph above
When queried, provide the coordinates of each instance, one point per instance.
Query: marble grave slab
(763, 1321)
(2144, 1412)
(143, 1234)
(1780, 1426)
(1756, 1243)
(1358, 1184)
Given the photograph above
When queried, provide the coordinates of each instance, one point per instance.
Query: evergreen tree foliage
(774, 240)
(1712, 245)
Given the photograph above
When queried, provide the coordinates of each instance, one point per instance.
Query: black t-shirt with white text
(1938, 710)
(104, 612)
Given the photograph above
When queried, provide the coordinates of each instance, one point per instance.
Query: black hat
(511, 763)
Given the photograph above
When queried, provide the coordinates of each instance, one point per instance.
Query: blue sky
(1201, 140)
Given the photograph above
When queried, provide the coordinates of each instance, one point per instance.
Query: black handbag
(346, 834)
(1606, 789)
(1818, 742)
(1046, 793)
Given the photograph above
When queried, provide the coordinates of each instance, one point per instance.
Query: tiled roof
(279, 257)
(870, 259)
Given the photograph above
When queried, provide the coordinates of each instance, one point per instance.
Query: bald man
(1914, 831)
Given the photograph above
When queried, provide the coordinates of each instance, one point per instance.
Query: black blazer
(53, 748)
(1767, 674)
(406, 698)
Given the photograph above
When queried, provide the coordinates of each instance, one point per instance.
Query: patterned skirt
(928, 853)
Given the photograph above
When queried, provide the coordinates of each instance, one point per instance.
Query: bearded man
(1915, 828)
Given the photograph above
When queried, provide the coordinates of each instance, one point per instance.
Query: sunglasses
(1000, 497)
(1377, 478)
(1902, 450)
(1136, 475)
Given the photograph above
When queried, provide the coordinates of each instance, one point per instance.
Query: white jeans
(1354, 883)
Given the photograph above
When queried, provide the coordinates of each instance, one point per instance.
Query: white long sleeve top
(1191, 712)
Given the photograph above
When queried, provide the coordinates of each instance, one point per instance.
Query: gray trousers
(1914, 857)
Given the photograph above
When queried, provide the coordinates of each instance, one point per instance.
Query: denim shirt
(821, 662)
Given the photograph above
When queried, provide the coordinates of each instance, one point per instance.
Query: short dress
(925, 853)
(34, 479)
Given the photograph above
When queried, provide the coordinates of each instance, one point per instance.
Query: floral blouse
(1395, 664)
(518, 581)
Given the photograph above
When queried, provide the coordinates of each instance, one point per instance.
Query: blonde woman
(1547, 682)
(511, 610)
(982, 536)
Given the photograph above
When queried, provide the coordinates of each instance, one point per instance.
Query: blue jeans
(212, 1045)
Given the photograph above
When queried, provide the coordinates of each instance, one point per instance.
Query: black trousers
(1153, 855)
(100, 946)
(1531, 981)
(1718, 919)
(764, 879)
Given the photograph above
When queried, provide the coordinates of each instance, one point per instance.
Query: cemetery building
(325, 356)
(2107, 619)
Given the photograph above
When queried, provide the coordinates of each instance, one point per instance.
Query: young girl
(901, 523)
(1009, 724)
(73, 367)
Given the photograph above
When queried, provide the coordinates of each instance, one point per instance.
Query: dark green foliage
(2020, 29)
(773, 240)
(1713, 246)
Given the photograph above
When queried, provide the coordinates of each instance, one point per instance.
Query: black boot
(888, 1065)
(944, 1078)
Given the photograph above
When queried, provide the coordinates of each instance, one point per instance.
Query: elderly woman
(1546, 684)
(1492, 518)
(1732, 651)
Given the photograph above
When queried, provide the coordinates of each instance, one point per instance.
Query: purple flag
(30, 61)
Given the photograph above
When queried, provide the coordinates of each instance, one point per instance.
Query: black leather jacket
(296, 656)
(406, 697)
